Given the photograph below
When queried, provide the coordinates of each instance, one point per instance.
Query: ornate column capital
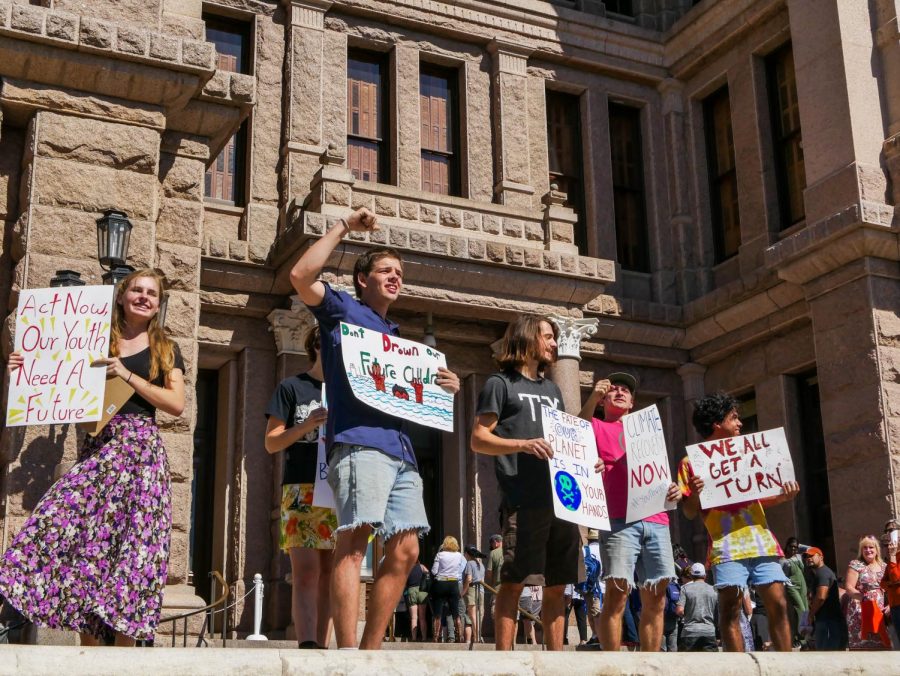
(571, 332)
(308, 13)
(692, 380)
(290, 326)
(509, 57)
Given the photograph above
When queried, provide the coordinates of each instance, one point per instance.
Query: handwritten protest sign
(649, 476)
(323, 496)
(738, 469)
(396, 376)
(577, 490)
(59, 332)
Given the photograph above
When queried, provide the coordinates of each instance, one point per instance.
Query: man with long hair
(538, 548)
(363, 441)
(742, 549)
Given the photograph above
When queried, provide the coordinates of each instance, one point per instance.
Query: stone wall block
(178, 551)
(62, 26)
(477, 249)
(96, 33)
(512, 227)
(53, 230)
(496, 252)
(451, 218)
(218, 84)
(399, 236)
(81, 139)
(471, 220)
(491, 224)
(315, 223)
(132, 40)
(428, 213)
(515, 255)
(533, 258)
(587, 267)
(379, 237)
(385, 206)
(182, 314)
(196, 53)
(409, 211)
(359, 200)
(551, 260)
(562, 232)
(93, 188)
(258, 252)
(27, 18)
(534, 231)
(180, 222)
(458, 247)
(337, 193)
(180, 455)
(4, 13)
(180, 264)
(888, 324)
(182, 177)
(242, 88)
(358, 236)
(164, 47)
(418, 240)
(237, 250)
(568, 263)
(439, 244)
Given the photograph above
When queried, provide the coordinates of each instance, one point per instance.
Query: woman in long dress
(93, 556)
(863, 586)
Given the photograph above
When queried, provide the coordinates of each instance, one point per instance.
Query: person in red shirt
(891, 580)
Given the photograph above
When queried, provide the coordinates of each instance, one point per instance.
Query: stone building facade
(714, 182)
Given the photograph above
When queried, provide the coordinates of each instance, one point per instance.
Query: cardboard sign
(738, 469)
(578, 494)
(59, 332)
(649, 476)
(396, 376)
(116, 394)
(323, 496)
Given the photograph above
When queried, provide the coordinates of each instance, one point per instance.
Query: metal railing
(217, 606)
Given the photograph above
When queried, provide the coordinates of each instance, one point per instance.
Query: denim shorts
(758, 570)
(376, 489)
(640, 552)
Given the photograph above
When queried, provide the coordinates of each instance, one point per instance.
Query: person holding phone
(890, 582)
(93, 557)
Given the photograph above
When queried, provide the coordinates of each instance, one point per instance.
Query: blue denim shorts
(757, 571)
(640, 552)
(376, 489)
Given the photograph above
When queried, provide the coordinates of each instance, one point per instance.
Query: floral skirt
(303, 525)
(93, 556)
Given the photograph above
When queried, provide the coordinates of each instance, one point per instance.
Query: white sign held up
(323, 496)
(59, 332)
(396, 376)
(738, 469)
(578, 494)
(649, 476)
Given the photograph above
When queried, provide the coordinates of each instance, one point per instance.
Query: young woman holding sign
(93, 556)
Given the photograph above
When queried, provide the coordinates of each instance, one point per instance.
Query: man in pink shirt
(640, 551)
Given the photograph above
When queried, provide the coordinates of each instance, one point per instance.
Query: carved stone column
(694, 388)
(565, 371)
(559, 222)
(510, 97)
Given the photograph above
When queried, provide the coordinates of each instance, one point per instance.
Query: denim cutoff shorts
(759, 570)
(640, 552)
(376, 489)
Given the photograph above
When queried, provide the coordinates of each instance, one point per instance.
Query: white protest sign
(649, 476)
(396, 376)
(737, 469)
(59, 332)
(578, 494)
(323, 496)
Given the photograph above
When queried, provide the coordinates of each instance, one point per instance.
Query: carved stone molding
(571, 332)
(308, 13)
(290, 327)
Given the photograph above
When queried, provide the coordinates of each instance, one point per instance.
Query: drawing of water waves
(436, 409)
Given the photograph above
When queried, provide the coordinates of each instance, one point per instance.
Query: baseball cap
(496, 537)
(810, 551)
(625, 379)
(698, 570)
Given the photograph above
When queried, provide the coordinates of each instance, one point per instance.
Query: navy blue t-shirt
(349, 420)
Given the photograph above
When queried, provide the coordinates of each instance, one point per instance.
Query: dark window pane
(564, 151)
(726, 223)
(366, 119)
(632, 238)
(787, 139)
(232, 40)
(439, 130)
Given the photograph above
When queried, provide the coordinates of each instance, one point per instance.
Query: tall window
(816, 496)
(224, 178)
(438, 103)
(723, 194)
(564, 146)
(367, 92)
(632, 239)
(787, 139)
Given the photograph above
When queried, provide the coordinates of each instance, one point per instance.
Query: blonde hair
(869, 539)
(450, 544)
(162, 349)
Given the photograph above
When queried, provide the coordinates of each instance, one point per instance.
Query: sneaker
(309, 645)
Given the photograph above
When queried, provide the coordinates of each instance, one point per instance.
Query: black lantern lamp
(113, 235)
(117, 274)
(66, 278)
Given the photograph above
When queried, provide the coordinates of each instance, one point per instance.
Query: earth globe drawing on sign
(567, 490)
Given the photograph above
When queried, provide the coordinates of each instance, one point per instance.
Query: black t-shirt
(292, 402)
(415, 576)
(831, 609)
(139, 365)
(516, 401)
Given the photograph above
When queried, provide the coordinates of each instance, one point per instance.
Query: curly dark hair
(711, 409)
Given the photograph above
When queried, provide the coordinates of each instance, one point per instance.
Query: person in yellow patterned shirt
(742, 549)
